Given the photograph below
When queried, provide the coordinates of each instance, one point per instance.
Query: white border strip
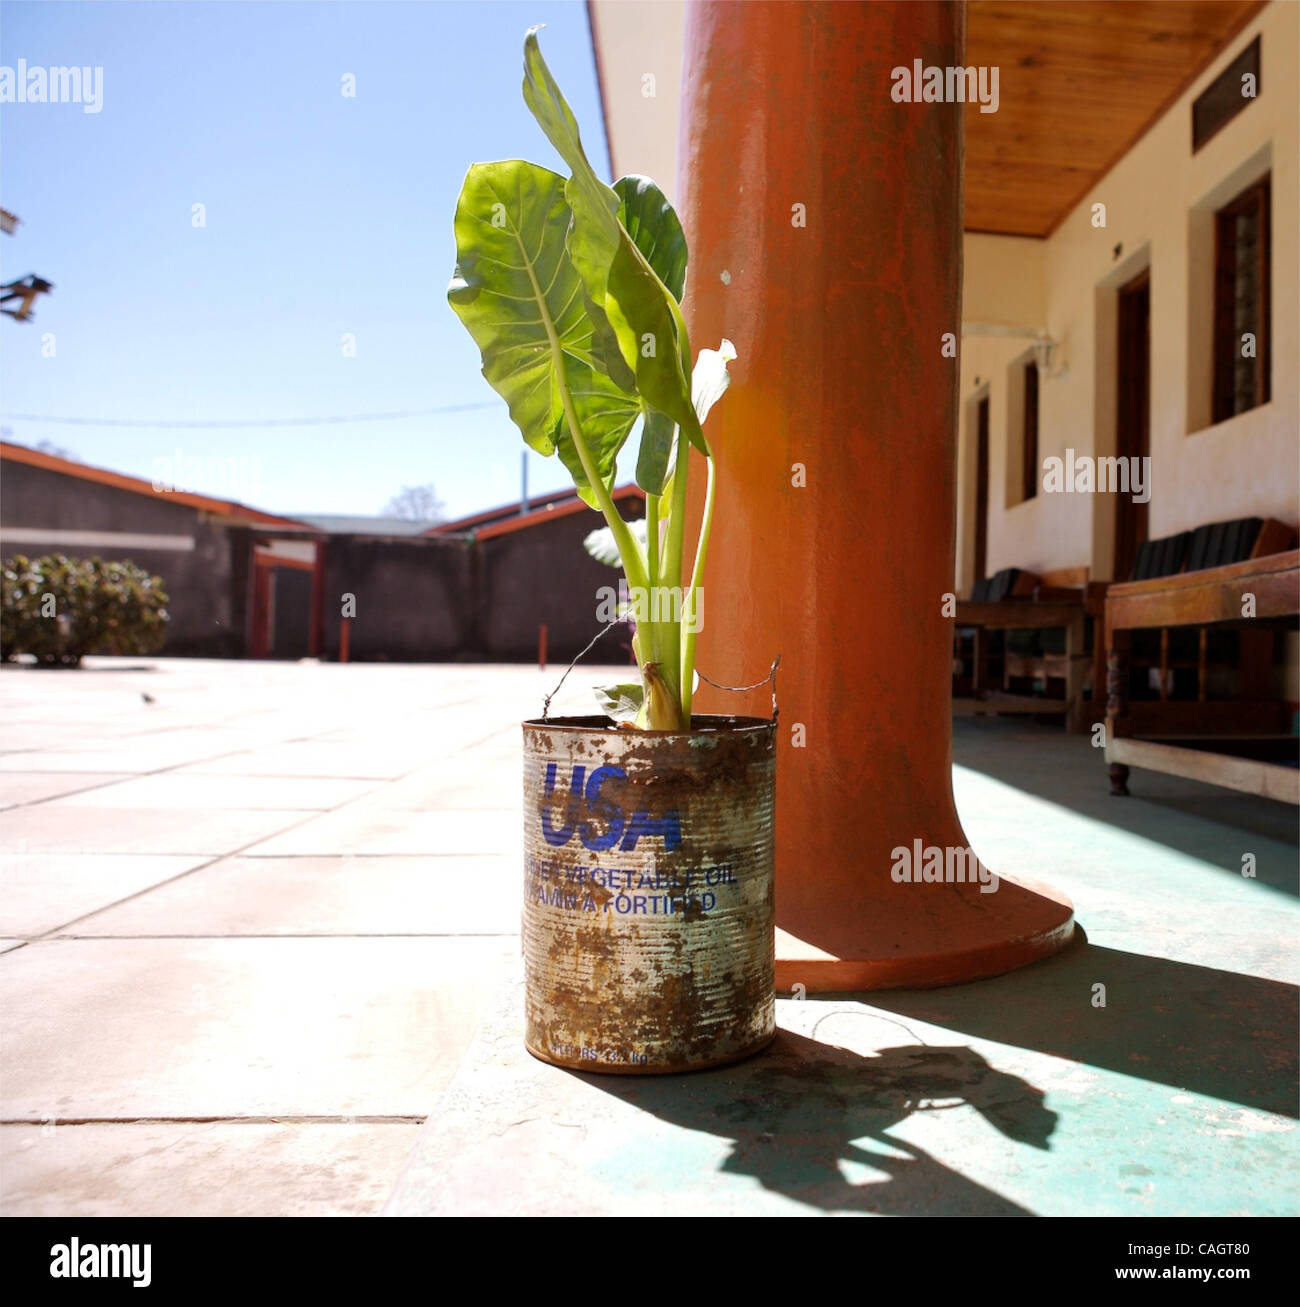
(22, 535)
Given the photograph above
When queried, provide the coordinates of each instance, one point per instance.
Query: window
(1029, 445)
(1226, 96)
(1241, 303)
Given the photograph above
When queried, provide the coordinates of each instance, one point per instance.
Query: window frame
(1227, 339)
(1029, 432)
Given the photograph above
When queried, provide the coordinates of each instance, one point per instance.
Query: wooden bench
(1245, 742)
(1016, 600)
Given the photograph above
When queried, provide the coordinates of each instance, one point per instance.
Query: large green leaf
(587, 195)
(522, 300)
(655, 229)
(621, 702)
(658, 434)
(642, 311)
(514, 284)
(596, 202)
(651, 333)
(605, 348)
(606, 415)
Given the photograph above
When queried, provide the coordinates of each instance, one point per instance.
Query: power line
(253, 422)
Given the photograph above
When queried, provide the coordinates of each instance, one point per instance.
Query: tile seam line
(218, 757)
(231, 853)
(242, 849)
(371, 1118)
(405, 934)
(234, 853)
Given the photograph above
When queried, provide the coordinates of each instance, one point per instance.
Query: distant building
(342, 524)
(244, 583)
(477, 588)
(239, 581)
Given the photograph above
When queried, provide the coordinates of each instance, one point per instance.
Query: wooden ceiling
(1079, 83)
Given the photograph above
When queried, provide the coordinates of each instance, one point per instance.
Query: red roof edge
(120, 481)
(553, 509)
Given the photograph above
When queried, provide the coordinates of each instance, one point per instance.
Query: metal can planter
(648, 893)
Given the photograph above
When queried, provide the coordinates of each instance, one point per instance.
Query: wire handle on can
(546, 699)
(732, 689)
(758, 685)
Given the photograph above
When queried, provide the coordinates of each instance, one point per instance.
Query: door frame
(1132, 411)
(262, 587)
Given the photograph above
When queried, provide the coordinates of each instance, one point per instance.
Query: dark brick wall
(544, 575)
(205, 605)
(34, 496)
(417, 599)
(413, 598)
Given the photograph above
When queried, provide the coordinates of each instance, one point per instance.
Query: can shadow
(802, 1110)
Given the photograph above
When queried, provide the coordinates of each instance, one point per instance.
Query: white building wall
(1160, 200)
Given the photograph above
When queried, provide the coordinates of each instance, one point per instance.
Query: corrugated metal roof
(343, 524)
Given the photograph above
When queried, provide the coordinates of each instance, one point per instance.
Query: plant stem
(672, 572)
(690, 602)
(652, 537)
(629, 551)
(654, 629)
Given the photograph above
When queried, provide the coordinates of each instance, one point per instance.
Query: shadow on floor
(797, 1113)
(799, 1110)
(1218, 1033)
(1203, 821)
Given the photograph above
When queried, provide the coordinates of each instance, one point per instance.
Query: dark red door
(982, 489)
(1133, 415)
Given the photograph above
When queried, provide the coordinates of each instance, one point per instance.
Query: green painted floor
(1013, 1096)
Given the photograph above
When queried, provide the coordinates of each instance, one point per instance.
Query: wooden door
(981, 488)
(1133, 414)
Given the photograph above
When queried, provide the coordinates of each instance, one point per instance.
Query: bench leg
(1118, 779)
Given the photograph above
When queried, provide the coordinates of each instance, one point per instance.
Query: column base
(963, 936)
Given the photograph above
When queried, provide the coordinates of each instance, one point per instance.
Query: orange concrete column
(825, 229)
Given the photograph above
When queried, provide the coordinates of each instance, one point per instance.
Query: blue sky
(325, 215)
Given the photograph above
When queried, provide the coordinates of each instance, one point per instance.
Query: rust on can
(648, 893)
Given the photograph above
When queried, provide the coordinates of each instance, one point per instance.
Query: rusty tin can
(648, 893)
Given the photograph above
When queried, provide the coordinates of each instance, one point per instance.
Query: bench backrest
(1214, 545)
(1009, 583)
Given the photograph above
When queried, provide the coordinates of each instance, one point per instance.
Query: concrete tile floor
(36, 786)
(42, 891)
(249, 926)
(223, 1168)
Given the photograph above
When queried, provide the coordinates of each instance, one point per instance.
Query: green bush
(60, 609)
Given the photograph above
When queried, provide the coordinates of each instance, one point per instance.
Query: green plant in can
(572, 291)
